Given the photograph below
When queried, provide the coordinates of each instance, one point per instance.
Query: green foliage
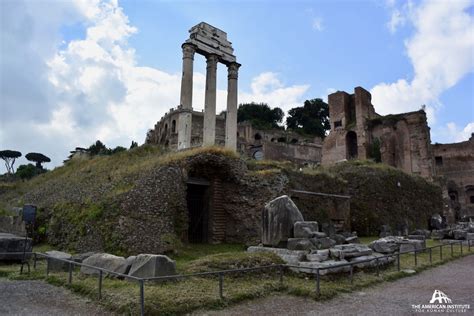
(133, 145)
(374, 150)
(9, 157)
(118, 149)
(98, 148)
(260, 115)
(38, 158)
(26, 172)
(311, 119)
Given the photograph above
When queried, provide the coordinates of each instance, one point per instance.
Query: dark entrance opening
(198, 211)
(351, 145)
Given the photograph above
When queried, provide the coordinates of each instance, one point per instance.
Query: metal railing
(220, 274)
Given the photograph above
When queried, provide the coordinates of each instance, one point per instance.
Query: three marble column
(209, 128)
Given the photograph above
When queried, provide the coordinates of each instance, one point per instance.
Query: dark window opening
(166, 129)
(198, 213)
(173, 126)
(471, 199)
(273, 140)
(258, 136)
(281, 140)
(337, 124)
(439, 160)
(238, 134)
(453, 195)
(351, 145)
(294, 141)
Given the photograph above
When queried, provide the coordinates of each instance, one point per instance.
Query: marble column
(209, 130)
(186, 106)
(231, 117)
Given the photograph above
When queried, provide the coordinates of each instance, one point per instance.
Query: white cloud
(396, 20)
(440, 52)
(92, 88)
(451, 132)
(318, 24)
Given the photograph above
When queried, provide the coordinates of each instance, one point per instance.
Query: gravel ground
(40, 298)
(455, 279)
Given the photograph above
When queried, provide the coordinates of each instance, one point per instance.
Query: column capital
(233, 70)
(188, 50)
(212, 60)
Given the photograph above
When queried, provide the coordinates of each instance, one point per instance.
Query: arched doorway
(351, 145)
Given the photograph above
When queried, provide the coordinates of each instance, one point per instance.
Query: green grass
(180, 297)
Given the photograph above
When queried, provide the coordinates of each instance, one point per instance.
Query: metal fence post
(451, 249)
(377, 264)
(221, 285)
(34, 260)
(47, 267)
(431, 258)
(461, 246)
(469, 245)
(416, 261)
(280, 268)
(440, 252)
(352, 274)
(318, 281)
(398, 261)
(100, 284)
(70, 273)
(142, 297)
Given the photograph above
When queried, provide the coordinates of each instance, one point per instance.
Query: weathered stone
(470, 236)
(10, 244)
(127, 265)
(104, 261)
(436, 222)
(438, 234)
(352, 240)
(412, 245)
(319, 255)
(323, 243)
(328, 229)
(57, 265)
(459, 234)
(349, 251)
(305, 229)
(339, 239)
(417, 237)
(289, 256)
(149, 266)
(300, 244)
(388, 244)
(362, 263)
(325, 264)
(278, 219)
(424, 232)
(80, 257)
(320, 235)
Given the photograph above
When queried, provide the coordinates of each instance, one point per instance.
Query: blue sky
(76, 71)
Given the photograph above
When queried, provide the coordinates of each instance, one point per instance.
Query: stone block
(289, 256)
(332, 266)
(417, 237)
(12, 247)
(149, 266)
(438, 234)
(352, 240)
(339, 239)
(423, 232)
(104, 261)
(323, 243)
(300, 244)
(388, 244)
(412, 245)
(80, 257)
(305, 229)
(278, 219)
(318, 255)
(349, 251)
(459, 234)
(58, 265)
(470, 236)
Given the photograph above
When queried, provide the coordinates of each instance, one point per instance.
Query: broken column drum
(212, 43)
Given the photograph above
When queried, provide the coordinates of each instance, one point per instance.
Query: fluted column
(209, 131)
(185, 117)
(231, 118)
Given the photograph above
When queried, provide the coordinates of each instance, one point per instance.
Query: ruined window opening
(337, 124)
(166, 129)
(439, 160)
(471, 199)
(294, 141)
(281, 139)
(351, 145)
(173, 126)
(197, 198)
(258, 136)
(453, 195)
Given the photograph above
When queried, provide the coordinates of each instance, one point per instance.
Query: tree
(38, 158)
(312, 118)
(118, 149)
(26, 172)
(133, 145)
(260, 115)
(9, 157)
(98, 148)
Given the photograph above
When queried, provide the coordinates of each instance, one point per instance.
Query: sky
(75, 71)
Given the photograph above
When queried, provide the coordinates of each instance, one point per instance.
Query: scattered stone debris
(58, 265)
(11, 244)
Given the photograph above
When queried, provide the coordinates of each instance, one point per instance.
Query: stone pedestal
(209, 130)
(231, 118)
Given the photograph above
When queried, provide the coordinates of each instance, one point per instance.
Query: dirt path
(455, 279)
(40, 298)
